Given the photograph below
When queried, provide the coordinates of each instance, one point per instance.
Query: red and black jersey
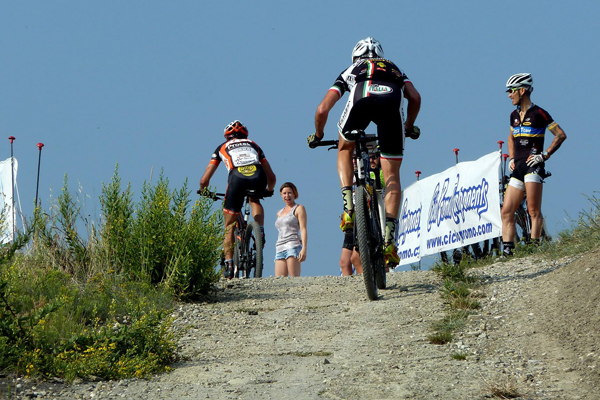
(528, 134)
(238, 153)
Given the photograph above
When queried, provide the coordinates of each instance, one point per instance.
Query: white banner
(7, 212)
(454, 208)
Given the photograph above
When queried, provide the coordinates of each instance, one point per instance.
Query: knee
(534, 212)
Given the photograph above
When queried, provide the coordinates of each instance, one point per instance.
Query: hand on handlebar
(207, 193)
(413, 133)
(312, 140)
(268, 193)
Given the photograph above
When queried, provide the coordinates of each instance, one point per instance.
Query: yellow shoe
(391, 255)
(347, 223)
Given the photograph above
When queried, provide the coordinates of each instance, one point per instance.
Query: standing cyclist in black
(528, 124)
(377, 90)
(248, 169)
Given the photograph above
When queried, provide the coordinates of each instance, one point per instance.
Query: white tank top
(289, 231)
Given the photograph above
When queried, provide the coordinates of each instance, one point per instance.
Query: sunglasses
(373, 157)
(514, 90)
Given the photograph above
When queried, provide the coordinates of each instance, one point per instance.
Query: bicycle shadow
(398, 290)
(518, 275)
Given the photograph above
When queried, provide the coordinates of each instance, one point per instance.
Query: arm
(559, 138)
(208, 173)
(511, 151)
(331, 97)
(414, 104)
(271, 178)
(301, 214)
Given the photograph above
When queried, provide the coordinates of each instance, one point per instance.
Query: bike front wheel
(254, 244)
(363, 235)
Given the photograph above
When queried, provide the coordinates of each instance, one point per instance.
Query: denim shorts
(285, 254)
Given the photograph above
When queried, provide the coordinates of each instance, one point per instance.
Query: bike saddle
(353, 135)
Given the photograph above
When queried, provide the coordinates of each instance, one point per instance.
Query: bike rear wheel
(253, 249)
(363, 235)
(522, 226)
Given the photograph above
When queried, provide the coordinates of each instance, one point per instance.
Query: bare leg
(258, 212)
(344, 162)
(512, 199)
(534, 207)
(345, 262)
(393, 193)
(356, 262)
(281, 268)
(293, 266)
(229, 240)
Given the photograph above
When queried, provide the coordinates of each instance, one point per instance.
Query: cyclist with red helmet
(528, 124)
(248, 169)
(377, 90)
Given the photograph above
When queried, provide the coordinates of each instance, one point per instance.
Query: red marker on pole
(39, 145)
(12, 176)
(456, 153)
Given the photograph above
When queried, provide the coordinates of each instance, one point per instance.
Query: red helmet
(236, 127)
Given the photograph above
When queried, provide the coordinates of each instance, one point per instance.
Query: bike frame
(244, 258)
(368, 227)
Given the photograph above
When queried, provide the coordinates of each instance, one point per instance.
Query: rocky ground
(537, 333)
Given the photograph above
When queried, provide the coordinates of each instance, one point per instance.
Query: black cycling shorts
(349, 242)
(241, 179)
(524, 173)
(384, 111)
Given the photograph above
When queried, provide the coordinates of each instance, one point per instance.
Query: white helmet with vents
(523, 80)
(367, 48)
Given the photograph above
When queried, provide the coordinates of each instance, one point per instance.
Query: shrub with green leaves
(108, 327)
(75, 305)
(162, 239)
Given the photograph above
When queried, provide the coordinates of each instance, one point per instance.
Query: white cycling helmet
(367, 48)
(523, 80)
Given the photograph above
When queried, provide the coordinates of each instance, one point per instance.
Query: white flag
(8, 213)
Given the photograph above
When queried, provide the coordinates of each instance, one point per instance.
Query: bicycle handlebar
(249, 192)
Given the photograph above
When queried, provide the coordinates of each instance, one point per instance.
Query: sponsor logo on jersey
(516, 122)
(380, 64)
(526, 123)
(247, 170)
(380, 89)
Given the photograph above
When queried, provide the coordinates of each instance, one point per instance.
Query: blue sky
(150, 85)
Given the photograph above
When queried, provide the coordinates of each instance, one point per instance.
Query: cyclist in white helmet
(377, 89)
(528, 124)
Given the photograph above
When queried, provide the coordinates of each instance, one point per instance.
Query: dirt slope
(319, 338)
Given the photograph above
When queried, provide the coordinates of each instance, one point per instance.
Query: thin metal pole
(12, 176)
(456, 153)
(39, 145)
(418, 173)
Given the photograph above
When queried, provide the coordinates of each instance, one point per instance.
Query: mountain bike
(368, 210)
(249, 241)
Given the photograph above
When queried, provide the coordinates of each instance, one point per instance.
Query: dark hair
(291, 186)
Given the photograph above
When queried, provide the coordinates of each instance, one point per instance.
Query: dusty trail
(319, 338)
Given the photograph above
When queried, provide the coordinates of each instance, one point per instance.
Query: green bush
(108, 327)
(74, 305)
(163, 239)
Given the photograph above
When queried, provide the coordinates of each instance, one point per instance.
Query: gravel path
(538, 332)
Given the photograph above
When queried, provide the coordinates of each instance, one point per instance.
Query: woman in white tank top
(291, 243)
